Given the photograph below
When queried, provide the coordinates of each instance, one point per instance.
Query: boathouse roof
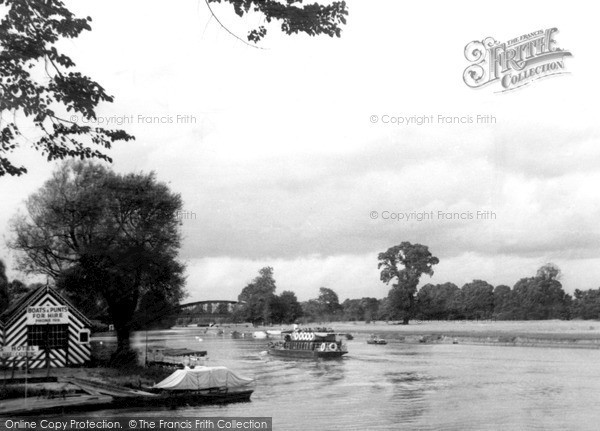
(32, 297)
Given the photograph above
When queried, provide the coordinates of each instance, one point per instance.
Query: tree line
(539, 297)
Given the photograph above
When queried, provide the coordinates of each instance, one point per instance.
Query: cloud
(282, 166)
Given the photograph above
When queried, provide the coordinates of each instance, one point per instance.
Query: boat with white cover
(203, 385)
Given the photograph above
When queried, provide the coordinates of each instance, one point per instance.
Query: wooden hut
(45, 322)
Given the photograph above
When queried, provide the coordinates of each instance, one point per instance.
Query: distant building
(45, 319)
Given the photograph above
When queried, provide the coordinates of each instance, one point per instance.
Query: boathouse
(44, 323)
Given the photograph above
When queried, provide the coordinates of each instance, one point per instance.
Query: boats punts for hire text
(308, 343)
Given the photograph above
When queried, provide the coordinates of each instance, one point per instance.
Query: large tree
(404, 264)
(257, 297)
(478, 300)
(542, 296)
(329, 303)
(55, 103)
(285, 308)
(106, 235)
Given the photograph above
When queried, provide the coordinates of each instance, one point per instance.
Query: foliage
(103, 236)
(10, 292)
(73, 283)
(285, 308)
(538, 298)
(17, 288)
(364, 309)
(329, 303)
(415, 260)
(477, 300)
(311, 311)
(503, 302)
(586, 304)
(440, 301)
(295, 17)
(401, 303)
(533, 298)
(256, 298)
(260, 305)
(549, 271)
(326, 307)
(39, 85)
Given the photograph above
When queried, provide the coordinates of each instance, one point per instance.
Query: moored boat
(201, 385)
(177, 358)
(374, 339)
(308, 343)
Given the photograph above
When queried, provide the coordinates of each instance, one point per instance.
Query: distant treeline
(529, 299)
(534, 298)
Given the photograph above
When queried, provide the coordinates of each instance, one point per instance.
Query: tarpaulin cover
(203, 378)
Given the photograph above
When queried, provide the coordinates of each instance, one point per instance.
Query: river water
(402, 386)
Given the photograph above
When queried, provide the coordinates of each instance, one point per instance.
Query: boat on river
(308, 343)
(374, 339)
(176, 358)
(200, 385)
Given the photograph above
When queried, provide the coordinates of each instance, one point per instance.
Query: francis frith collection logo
(515, 63)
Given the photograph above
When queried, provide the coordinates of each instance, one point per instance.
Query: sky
(286, 156)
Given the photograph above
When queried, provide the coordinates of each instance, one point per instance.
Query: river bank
(73, 389)
(541, 333)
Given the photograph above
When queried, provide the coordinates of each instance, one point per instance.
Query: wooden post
(5, 366)
(47, 351)
(26, 364)
(12, 376)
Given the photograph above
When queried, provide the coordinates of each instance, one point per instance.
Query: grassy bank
(542, 333)
(547, 333)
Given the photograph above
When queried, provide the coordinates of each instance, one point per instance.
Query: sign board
(18, 351)
(48, 314)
